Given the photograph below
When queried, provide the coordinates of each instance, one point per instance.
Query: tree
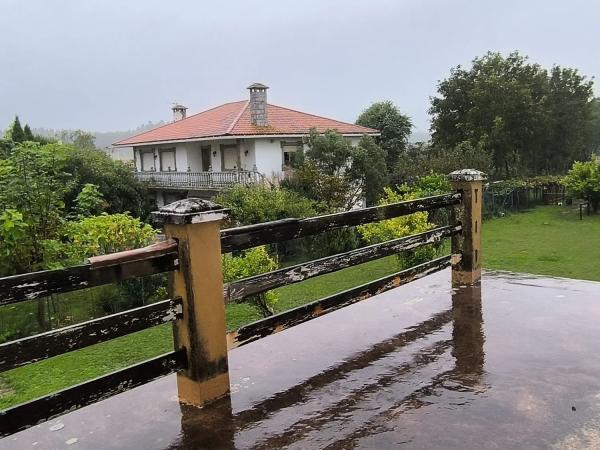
(583, 181)
(368, 169)
(15, 131)
(27, 134)
(394, 126)
(515, 110)
(89, 201)
(334, 172)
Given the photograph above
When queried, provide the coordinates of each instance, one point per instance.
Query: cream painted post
(468, 243)
(195, 224)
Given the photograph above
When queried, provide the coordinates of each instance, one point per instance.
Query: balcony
(198, 180)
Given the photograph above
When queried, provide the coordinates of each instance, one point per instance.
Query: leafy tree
(368, 169)
(583, 181)
(32, 182)
(334, 172)
(531, 121)
(89, 201)
(78, 138)
(14, 241)
(15, 131)
(423, 158)
(394, 126)
(114, 179)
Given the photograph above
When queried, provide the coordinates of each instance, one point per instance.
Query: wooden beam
(240, 289)
(282, 230)
(287, 319)
(45, 408)
(29, 286)
(45, 345)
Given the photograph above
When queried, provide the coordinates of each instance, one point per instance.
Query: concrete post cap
(467, 175)
(189, 210)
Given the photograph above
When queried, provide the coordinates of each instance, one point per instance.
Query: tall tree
(27, 134)
(394, 126)
(517, 111)
(15, 131)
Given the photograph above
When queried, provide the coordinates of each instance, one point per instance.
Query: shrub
(399, 227)
(252, 262)
(583, 181)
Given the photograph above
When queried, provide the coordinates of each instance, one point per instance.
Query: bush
(259, 203)
(252, 262)
(583, 181)
(401, 226)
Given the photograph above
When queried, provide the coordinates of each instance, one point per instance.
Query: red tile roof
(233, 119)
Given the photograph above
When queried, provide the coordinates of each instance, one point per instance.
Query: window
(167, 160)
(147, 160)
(289, 150)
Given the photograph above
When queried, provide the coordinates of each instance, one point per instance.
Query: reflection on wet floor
(510, 363)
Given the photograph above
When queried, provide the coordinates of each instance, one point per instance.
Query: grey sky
(112, 65)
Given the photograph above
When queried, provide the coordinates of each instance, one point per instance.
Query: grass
(34, 380)
(547, 240)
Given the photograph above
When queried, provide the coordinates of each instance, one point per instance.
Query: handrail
(194, 250)
(156, 258)
(45, 408)
(244, 237)
(240, 289)
(292, 317)
(56, 342)
(199, 180)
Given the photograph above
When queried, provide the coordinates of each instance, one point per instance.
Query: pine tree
(15, 131)
(28, 135)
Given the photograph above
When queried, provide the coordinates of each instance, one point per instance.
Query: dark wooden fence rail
(282, 230)
(193, 255)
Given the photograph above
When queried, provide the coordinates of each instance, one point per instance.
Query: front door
(205, 158)
(230, 155)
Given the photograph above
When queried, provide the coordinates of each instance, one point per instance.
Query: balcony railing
(193, 251)
(199, 180)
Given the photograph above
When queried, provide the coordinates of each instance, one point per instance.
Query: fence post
(195, 224)
(468, 243)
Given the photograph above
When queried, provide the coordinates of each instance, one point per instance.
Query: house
(239, 142)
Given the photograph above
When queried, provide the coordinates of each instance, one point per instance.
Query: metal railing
(193, 252)
(198, 180)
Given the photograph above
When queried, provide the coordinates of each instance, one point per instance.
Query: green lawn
(548, 240)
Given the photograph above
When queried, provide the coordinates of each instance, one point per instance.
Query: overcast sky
(113, 65)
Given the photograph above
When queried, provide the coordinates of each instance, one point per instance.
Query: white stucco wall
(268, 157)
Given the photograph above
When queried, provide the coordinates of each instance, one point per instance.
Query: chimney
(178, 112)
(258, 104)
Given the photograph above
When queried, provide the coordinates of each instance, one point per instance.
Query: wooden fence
(192, 257)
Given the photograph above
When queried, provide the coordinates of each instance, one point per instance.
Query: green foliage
(27, 134)
(78, 138)
(89, 201)
(402, 226)
(394, 126)
(531, 121)
(106, 233)
(368, 169)
(583, 181)
(15, 131)
(334, 172)
(260, 203)
(14, 242)
(252, 262)
(32, 182)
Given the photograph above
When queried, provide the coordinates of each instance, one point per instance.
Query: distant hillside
(104, 139)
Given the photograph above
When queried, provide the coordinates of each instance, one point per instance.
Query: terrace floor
(510, 364)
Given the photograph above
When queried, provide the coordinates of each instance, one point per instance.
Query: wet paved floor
(513, 363)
